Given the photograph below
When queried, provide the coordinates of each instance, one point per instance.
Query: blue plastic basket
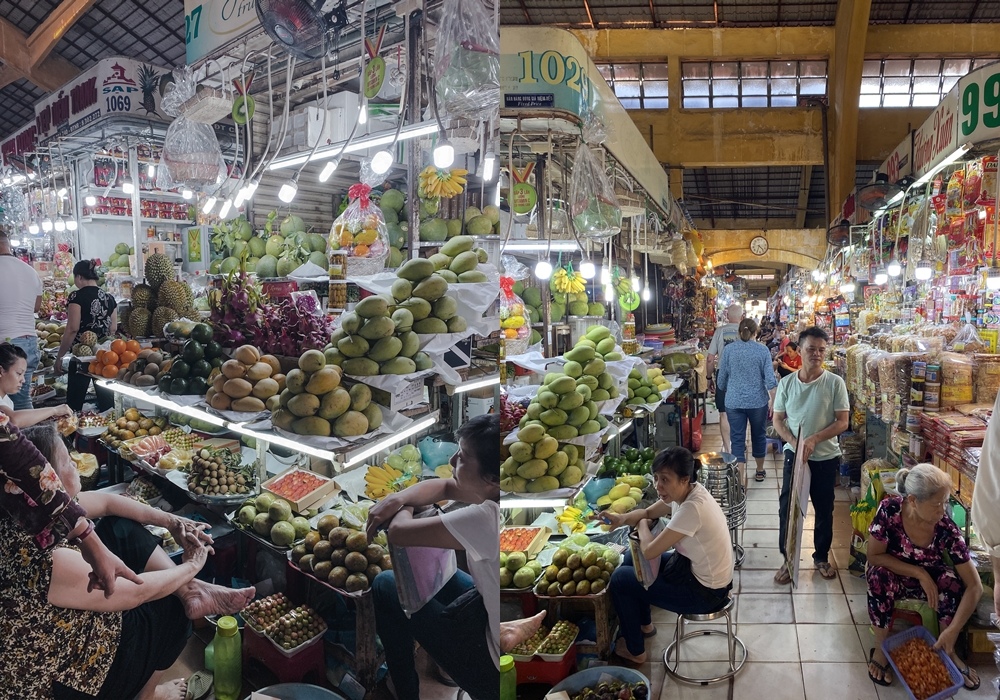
(958, 681)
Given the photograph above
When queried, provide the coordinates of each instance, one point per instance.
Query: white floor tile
(706, 647)
(779, 681)
(770, 642)
(760, 581)
(846, 681)
(765, 608)
(859, 608)
(675, 690)
(759, 538)
(762, 522)
(762, 507)
(811, 581)
(758, 492)
(769, 558)
(853, 585)
(829, 643)
(822, 609)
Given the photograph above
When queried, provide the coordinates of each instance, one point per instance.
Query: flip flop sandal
(647, 635)
(760, 476)
(783, 578)
(198, 685)
(968, 676)
(617, 660)
(883, 669)
(825, 570)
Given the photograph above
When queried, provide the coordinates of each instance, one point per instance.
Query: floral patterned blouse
(887, 526)
(32, 493)
(39, 642)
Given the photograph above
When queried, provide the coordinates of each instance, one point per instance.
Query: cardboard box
(405, 394)
(219, 444)
(711, 413)
(44, 268)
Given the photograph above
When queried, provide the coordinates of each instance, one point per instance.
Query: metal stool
(720, 476)
(775, 443)
(732, 641)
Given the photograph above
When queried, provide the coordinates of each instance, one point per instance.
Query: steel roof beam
(49, 32)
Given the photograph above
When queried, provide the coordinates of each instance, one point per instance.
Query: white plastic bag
(191, 154)
(467, 70)
(593, 206)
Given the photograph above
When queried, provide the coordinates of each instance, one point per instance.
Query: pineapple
(149, 80)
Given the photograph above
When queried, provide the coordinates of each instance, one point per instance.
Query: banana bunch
(383, 480)
(572, 520)
(623, 286)
(433, 182)
(568, 281)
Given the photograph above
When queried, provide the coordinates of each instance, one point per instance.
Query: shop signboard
(21, 142)
(979, 102)
(899, 164)
(937, 137)
(210, 25)
(114, 87)
(546, 73)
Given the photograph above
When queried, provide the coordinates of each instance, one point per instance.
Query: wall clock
(759, 245)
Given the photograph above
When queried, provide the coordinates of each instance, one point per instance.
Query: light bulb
(7, 181)
(982, 213)
(151, 170)
(226, 206)
(209, 204)
(240, 197)
(924, 271)
(33, 228)
(787, 300)
(328, 169)
(609, 292)
(894, 269)
(444, 154)
(496, 198)
(62, 192)
(15, 242)
(847, 287)
(489, 165)
(363, 113)
(815, 275)
(881, 278)
(186, 193)
(46, 225)
(587, 270)
(59, 225)
(543, 270)
(646, 295)
(71, 225)
(288, 190)
(993, 278)
(90, 200)
(635, 284)
(254, 184)
(605, 276)
(381, 162)
(127, 186)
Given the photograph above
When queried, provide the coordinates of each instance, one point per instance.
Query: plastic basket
(897, 640)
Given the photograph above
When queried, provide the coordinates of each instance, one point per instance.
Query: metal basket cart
(720, 476)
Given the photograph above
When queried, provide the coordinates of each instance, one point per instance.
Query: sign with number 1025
(979, 104)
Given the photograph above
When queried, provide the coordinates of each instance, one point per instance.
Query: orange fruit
(110, 358)
(100, 355)
(133, 346)
(118, 346)
(94, 368)
(127, 357)
(360, 251)
(110, 371)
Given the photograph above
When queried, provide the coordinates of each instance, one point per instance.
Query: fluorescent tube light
(477, 384)
(381, 138)
(394, 439)
(554, 246)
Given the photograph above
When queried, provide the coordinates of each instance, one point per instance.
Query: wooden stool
(732, 641)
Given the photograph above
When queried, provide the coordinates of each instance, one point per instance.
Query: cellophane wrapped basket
(360, 232)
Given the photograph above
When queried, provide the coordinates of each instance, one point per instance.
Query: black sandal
(968, 676)
(760, 475)
(882, 668)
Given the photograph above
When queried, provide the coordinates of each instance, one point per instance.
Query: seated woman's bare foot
(623, 652)
(514, 632)
(171, 690)
(201, 599)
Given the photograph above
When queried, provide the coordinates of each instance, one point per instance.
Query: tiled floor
(808, 643)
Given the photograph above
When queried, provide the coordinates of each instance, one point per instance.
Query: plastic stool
(732, 641)
(916, 612)
(773, 442)
(288, 667)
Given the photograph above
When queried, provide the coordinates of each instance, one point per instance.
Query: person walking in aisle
(724, 335)
(986, 496)
(20, 299)
(89, 308)
(747, 379)
(814, 402)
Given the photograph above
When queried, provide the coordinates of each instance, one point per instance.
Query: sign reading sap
(211, 24)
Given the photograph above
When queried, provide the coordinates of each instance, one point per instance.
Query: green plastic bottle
(228, 660)
(508, 678)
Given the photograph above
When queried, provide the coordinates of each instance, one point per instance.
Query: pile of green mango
(598, 339)
(539, 463)
(376, 338)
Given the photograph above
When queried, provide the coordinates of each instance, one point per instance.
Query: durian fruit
(174, 295)
(161, 317)
(138, 322)
(158, 270)
(188, 297)
(124, 312)
(142, 296)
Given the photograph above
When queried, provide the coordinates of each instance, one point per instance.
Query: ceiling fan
(303, 28)
(875, 195)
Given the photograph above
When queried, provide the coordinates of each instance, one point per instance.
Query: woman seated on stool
(915, 551)
(696, 577)
(62, 640)
(13, 365)
(788, 360)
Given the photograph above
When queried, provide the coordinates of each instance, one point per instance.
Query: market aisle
(802, 643)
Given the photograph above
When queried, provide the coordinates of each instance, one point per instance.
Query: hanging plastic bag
(968, 340)
(593, 206)
(514, 324)
(953, 203)
(191, 154)
(360, 232)
(467, 70)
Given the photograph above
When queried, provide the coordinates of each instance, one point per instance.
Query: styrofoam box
(711, 414)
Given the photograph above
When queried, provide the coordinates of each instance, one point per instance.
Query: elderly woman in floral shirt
(34, 497)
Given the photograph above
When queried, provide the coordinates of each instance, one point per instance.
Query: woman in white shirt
(696, 576)
(460, 627)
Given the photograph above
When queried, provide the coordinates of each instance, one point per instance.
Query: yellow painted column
(844, 90)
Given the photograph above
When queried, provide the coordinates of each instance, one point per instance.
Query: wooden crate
(314, 497)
